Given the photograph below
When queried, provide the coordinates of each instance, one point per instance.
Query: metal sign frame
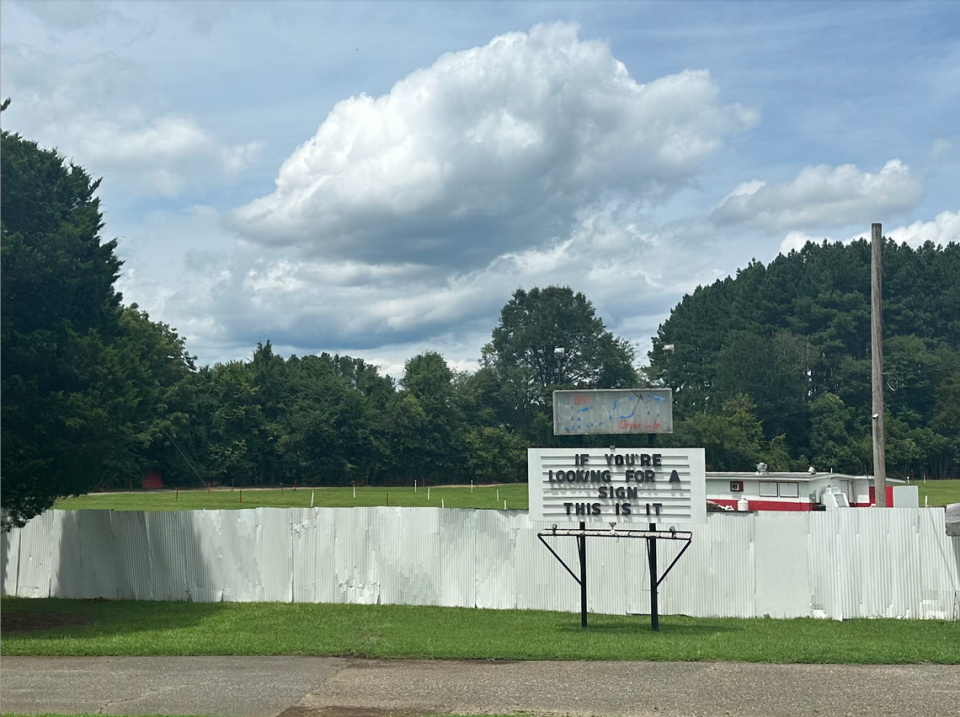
(651, 536)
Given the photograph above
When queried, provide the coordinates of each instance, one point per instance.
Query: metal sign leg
(582, 540)
(652, 558)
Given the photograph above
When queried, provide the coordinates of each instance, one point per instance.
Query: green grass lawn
(938, 492)
(90, 627)
(492, 497)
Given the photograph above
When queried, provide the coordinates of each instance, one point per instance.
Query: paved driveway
(341, 687)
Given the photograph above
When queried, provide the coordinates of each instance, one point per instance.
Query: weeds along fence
(844, 564)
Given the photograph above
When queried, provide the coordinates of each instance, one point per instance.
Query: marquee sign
(627, 485)
(613, 411)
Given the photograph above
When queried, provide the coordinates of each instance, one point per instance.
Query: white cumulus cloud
(944, 228)
(823, 196)
(95, 114)
(489, 150)
(166, 153)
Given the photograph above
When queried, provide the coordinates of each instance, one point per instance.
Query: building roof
(799, 477)
(774, 475)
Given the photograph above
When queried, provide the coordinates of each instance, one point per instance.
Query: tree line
(773, 365)
(784, 350)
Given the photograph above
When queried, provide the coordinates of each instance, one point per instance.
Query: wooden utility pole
(876, 340)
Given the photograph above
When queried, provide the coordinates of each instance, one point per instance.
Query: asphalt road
(341, 687)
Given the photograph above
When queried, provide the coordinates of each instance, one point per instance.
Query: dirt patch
(299, 711)
(28, 621)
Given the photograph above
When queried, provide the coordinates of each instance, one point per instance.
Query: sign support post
(652, 559)
(582, 545)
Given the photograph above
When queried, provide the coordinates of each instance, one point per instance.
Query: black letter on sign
(674, 477)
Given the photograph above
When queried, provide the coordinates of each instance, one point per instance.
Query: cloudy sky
(376, 179)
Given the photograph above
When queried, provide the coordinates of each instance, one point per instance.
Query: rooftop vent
(811, 470)
(761, 467)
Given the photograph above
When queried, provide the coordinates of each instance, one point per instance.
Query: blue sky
(377, 179)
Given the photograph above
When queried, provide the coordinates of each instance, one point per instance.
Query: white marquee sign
(666, 486)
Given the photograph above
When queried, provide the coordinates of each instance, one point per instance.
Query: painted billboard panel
(602, 485)
(613, 411)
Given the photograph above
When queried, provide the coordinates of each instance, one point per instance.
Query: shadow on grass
(113, 574)
(40, 619)
(641, 625)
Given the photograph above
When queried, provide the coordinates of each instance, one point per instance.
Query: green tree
(732, 438)
(443, 453)
(524, 353)
(148, 363)
(497, 455)
(68, 395)
(773, 372)
(799, 329)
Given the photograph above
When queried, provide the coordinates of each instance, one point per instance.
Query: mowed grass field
(938, 492)
(85, 627)
(490, 497)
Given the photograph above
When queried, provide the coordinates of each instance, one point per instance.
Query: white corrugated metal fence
(842, 564)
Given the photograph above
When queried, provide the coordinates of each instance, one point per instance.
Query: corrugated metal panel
(167, 536)
(389, 556)
(241, 577)
(274, 555)
(868, 563)
(419, 543)
(135, 578)
(938, 557)
(851, 563)
(824, 547)
(617, 570)
(324, 539)
(782, 569)
(67, 580)
(716, 576)
(98, 555)
(496, 576)
(304, 554)
(10, 560)
(355, 562)
(39, 556)
(458, 557)
(545, 584)
(205, 546)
